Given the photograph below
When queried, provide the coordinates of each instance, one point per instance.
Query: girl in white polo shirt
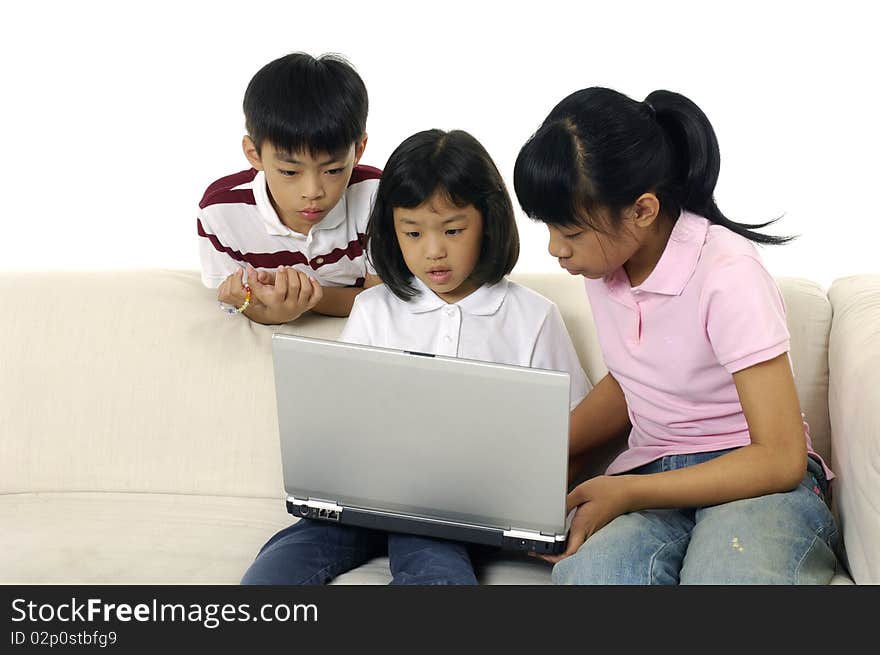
(442, 236)
(719, 483)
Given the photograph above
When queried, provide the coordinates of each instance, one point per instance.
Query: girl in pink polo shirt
(719, 483)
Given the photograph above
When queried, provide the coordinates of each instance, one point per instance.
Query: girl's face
(441, 244)
(584, 251)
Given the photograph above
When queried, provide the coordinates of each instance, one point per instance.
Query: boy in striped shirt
(291, 228)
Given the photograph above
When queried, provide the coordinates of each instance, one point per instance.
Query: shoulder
(378, 299)
(734, 275)
(528, 300)
(235, 188)
(361, 190)
(360, 194)
(362, 174)
(725, 249)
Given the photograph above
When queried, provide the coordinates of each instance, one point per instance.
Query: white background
(116, 117)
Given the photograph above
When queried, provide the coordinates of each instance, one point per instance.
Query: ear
(250, 151)
(646, 208)
(359, 148)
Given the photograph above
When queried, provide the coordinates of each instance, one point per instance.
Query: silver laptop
(410, 442)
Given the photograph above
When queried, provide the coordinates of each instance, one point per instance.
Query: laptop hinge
(515, 533)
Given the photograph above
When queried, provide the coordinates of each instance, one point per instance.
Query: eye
(453, 231)
(335, 171)
(285, 173)
(413, 235)
(572, 236)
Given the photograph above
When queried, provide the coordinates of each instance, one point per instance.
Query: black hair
(299, 103)
(599, 148)
(455, 164)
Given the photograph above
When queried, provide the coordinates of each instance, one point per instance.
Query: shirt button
(447, 338)
(319, 260)
(450, 311)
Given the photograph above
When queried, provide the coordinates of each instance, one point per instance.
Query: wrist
(279, 315)
(632, 496)
(235, 305)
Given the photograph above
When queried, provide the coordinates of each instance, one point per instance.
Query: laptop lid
(439, 438)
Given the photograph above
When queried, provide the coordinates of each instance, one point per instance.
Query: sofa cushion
(853, 402)
(130, 538)
(809, 322)
(149, 388)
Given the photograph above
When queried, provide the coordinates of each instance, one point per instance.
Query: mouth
(312, 213)
(569, 270)
(440, 275)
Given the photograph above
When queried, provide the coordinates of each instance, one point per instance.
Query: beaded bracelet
(244, 305)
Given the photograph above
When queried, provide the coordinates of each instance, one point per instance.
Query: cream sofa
(138, 435)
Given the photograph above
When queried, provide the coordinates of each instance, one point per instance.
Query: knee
(435, 564)
(585, 568)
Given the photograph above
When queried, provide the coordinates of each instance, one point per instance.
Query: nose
(434, 248)
(557, 247)
(312, 187)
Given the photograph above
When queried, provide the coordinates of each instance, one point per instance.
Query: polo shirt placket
(451, 322)
(620, 292)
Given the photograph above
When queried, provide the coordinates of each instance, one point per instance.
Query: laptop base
(516, 540)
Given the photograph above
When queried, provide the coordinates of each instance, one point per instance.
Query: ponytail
(600, 148)
(696, 162)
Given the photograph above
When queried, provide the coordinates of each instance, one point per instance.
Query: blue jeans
(313, 552)
(781, 538)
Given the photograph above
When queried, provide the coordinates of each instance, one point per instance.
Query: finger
(253, 277)
(574, 498)
(281, 286)
(262, 292)
(293, 286)
(552, 558)
(577, 534)
(225, 291)
(547, 558)
(317, 293)
(305, 290)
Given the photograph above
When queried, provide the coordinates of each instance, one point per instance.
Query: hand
(288, 296)
(231, 290)
(599, 500)
(266, 277)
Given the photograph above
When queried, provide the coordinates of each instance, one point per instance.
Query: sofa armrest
(854, 407)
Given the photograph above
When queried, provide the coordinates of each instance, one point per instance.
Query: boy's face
(304, 186)
(440, 244)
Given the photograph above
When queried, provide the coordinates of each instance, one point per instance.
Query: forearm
(747, 472)
(337, 301)
(601, 416)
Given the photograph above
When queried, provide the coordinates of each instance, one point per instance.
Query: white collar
(485, 301)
